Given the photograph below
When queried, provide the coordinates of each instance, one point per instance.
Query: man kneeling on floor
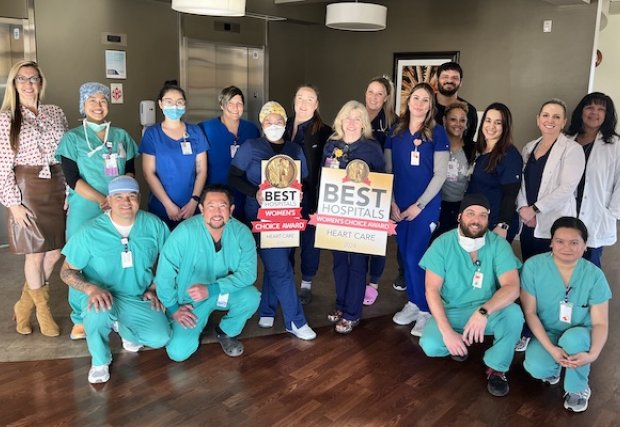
(111, 260)
(471, 285)
(207, 264)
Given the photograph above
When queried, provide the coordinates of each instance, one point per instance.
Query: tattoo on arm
(73, 278)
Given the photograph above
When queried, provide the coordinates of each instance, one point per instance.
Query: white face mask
(274, 133)
(470, 244)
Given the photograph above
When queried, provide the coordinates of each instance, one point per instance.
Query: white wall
(606, 74)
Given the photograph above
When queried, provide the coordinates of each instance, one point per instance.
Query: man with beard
(208, 264)
(449, 78)
(472, 281)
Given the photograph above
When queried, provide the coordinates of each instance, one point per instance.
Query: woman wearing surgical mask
(92, 154)
(351, 140)
(225, 135)
(245, 176)
(174, 160)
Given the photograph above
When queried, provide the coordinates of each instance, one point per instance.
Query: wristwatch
(503, 225)
(535, 208)
(483, 311)
(196, 198)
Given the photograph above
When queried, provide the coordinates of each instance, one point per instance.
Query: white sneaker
(98, 374)
(408, 314)
(418, 328)
(130, 346)
(115, 326)
(265, 322)
(304, 333)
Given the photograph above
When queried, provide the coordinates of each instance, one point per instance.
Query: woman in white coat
(593, 126)
(553, 165)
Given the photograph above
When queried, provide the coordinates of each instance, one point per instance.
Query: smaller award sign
(280, 213)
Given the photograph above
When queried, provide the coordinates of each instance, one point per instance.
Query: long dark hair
(608, 128)
(316, 121)
(505, 139)
(429, 121)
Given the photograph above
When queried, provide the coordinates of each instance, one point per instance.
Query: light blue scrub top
(541, 279)
(76, 147)
(448, 260)
(96, 250)
(189, 257)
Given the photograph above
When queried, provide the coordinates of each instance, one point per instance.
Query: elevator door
(207, 68)
(12, 49)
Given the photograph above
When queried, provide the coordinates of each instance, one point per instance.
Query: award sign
(280, 213)
(353, 214)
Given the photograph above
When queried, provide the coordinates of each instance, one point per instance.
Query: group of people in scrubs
(429, 150)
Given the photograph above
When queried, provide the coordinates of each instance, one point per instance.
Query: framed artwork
(414, 67)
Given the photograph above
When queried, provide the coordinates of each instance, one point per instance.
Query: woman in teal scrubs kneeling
(566, 301)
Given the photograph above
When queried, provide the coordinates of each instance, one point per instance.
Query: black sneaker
(231, 345)
(458, 358)
(497, 383)
(399, 284)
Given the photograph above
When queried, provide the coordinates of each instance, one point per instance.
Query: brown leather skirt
(45, 199)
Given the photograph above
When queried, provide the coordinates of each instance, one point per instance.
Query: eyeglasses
(172, 102)
(23, 79)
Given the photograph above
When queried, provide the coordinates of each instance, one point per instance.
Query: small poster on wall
(115, 64)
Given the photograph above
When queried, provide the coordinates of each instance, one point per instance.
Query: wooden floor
(376, 376)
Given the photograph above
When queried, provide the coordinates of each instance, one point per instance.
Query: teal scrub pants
(539, 363)
(505, 325)
(137, 322)
(75, 302)
(241, 305)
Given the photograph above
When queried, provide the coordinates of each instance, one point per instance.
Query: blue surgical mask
(174, 113)
(97, 127)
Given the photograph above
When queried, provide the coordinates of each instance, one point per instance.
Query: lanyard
(570, 288)
(125, 242)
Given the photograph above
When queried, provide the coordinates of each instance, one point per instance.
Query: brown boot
(41, 298)
(23, 311)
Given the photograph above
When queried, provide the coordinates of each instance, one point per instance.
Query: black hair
(168, 86)
(217, 188)
(449, 66)
(570, 222)
(608, 128)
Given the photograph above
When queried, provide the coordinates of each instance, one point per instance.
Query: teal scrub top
(74, 146)
(189, 258)
(453, 264)
(541, 279)
(96, 250)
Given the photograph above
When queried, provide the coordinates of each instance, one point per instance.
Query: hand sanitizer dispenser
(147, 114)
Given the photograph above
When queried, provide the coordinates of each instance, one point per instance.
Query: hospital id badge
(566, 311)
(110, 167)
(453, 170)
(415, 158)
(186, 148)
(477, 280)
(233, 150)
(126, 259)
(222, 300)
(332, 163)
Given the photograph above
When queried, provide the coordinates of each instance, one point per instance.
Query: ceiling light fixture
(354, 16)
(210, 7)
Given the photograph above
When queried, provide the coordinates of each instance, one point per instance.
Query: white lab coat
(600, 206)
(556, 196)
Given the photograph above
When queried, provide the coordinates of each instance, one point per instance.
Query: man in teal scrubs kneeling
(207, 264)
(110, 261)
(471, 285)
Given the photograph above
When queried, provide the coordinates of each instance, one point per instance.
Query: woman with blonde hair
(32, 187)
(352, 140)
(419, 152)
